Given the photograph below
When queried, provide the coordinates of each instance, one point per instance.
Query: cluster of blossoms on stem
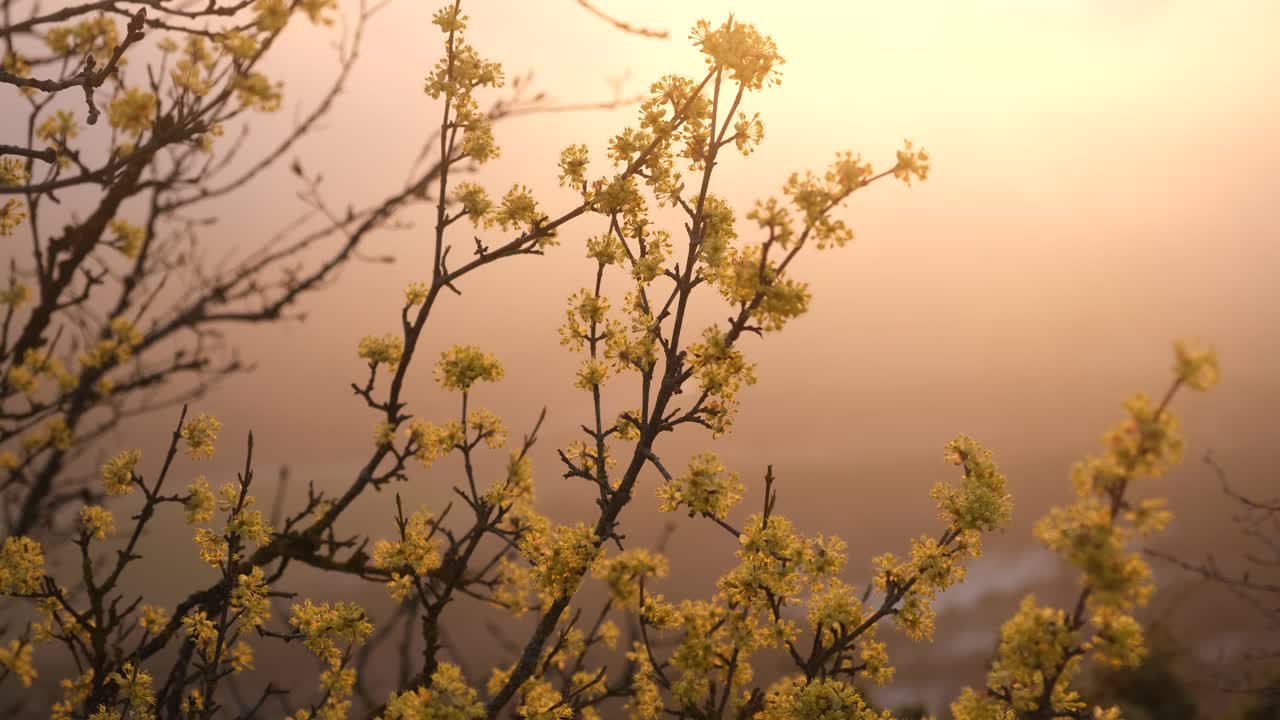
(1042, 648)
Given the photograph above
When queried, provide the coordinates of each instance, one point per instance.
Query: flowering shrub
(784, 592)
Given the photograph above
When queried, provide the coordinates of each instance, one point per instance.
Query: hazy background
(1103, 182)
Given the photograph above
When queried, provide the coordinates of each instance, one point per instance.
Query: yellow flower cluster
(751, 57)
(516, 488)
(705, 488)
(430, 442)
(74, 693)
(475, 202)
(12, 174)
(135, 686)
(97, 522)
(117, 473)
(623, 572)
(980, 502)
(132, 111)
(201, 630)
(200, 435)
(213, 547)
(386, 350)
(98, 36)
(241, 46)
(539, 700)
(324, 626)
(56, 129)
(645, 701)
(416, 552)
(122, 338)
(455, 77)
(256, 92)
(25, 378)
(461, 366)
(573, 167)
(315, 10)
(152, 619)
(1197, 368)
(56, 434)
(911, 163)
(815, 197)
(746, 279)
(416, 294)
(518, 210)
(200, 501)
(245, 522)
(272, 15)
(249, 599)
(1042, 645)
(16, 295)
(447, 697)
(818, 699)
(126, 238)
(11, 216)
(17, 659)
(562, 558)
(722, 371)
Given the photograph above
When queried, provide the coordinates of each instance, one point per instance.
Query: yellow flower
(132, 111)
(751, 57)
(416, 294)
(255, 91)
(153, 619)
(518, 209)
(447, 697)
(135, 686)
(911, 162)
(386, 350)
(16, 295)
(128, 238)
(16, 658)
(240, 45)
(561, 561)
(213, 547)
(315, 10)
(241, 657)
(475, 202)
(11, 216)
(980, 502)
(273, 15)
(97, 35)
(323, 626)
(97, 522)
(58, 128)
(430, 442)
(817, 700)
(706, 488)
(200, 501)
(201, 630)
(12, 172)
(21, 565)
(623, 572)
(573, 167)
(461, 366)
(250, 599)
(117, 473)
(200, 435)
(417, 551)
(1197, 368)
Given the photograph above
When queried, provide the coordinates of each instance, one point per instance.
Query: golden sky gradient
(1104, 181)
